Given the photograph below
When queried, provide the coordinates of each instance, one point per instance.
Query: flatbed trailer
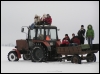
(75, 53)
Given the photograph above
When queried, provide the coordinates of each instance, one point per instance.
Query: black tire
(38, 54)
(27, 56)
(76, 59)
(59, 59)
(12, 56)
(91, 57)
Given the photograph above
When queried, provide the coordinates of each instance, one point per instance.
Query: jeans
(90, 42)
(73, 44)
(32, 26)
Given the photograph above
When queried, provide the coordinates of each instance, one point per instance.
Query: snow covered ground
(22, 66)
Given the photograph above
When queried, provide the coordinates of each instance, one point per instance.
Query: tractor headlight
(51, 43)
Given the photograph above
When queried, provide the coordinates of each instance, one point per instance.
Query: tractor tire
(26, 57)
(91, 57)
(12, 56)
(38, 54)
(59, 59)
(76, 59)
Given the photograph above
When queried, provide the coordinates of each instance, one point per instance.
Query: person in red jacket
(48, 20)
(75, 40)
(43, 22)
(65, 41)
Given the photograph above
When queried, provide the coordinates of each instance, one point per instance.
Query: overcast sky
(68, 16)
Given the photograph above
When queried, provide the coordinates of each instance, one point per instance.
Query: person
(65, 41)
(75, 40)
(81, 34)
(36, 22)
(43, 21)
(41, 36)
(48, 20)
(90, 35)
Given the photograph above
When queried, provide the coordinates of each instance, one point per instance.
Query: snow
(23, 66)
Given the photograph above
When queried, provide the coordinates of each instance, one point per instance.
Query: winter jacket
(81, 33)
(48, 20)
(67, 38)
(90, 31)
(36, 20)
(65, 41)
(75, 39)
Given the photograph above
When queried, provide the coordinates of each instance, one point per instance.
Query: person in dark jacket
(81, 34)
(90, 35)
(48, 20)
(65, 41)
(75, 40)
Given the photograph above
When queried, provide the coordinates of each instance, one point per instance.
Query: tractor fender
(58, 43)
(18, 53)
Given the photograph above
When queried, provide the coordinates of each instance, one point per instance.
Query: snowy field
(22, 66)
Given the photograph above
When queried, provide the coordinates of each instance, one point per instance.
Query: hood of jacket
(88, 27)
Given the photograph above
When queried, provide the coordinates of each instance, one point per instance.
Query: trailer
(76, 53)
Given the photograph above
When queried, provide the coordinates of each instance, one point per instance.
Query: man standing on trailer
(81, 34)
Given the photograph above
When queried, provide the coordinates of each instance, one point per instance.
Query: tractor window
(51, 33)
(40, 34)
(32, 34)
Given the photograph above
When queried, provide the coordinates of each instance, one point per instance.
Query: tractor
(39, 46)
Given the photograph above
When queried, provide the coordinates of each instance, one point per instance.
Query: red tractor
(39, 46)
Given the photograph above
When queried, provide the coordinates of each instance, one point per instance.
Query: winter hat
(66, 34)
(73, 33)
(82, 25)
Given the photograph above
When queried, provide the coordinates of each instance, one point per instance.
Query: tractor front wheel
(12, 56)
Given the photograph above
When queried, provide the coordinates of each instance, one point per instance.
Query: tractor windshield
(32, 34)
(51, 33)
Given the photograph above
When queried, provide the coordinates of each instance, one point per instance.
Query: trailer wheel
(76, 59)
(91, 57)
(38, 54)
(12, 56)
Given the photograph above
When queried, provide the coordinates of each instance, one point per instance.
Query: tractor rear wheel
(12, 56)
(38, 54)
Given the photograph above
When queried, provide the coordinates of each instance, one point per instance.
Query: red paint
(18, 53)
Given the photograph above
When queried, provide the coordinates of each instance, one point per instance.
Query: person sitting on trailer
(75, 40)
(65, 41)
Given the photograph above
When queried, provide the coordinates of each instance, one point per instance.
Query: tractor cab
(42, 33)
